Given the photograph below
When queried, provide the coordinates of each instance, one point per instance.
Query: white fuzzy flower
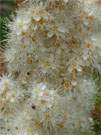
(22, 25)
(6, 84)
(66, 1)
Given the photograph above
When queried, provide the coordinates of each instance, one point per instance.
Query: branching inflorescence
(51, 55)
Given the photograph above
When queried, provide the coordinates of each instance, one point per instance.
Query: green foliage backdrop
(6, 7)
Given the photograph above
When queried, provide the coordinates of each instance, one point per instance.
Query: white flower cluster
(10, 97)
(62, 115)
(52, 51)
